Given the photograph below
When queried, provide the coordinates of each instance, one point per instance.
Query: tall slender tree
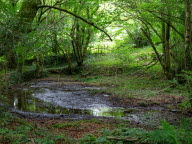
(188, 49)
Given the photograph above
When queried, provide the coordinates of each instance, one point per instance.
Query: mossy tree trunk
(22, 25)
(188, 48)
(166, 50)
(39, 64)
(80, 40)
(188, 59)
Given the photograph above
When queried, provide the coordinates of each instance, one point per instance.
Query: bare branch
(79, 17)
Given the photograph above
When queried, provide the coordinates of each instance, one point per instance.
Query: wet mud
(75, 100)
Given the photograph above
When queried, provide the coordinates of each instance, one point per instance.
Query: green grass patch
(16, 131)
(126, 86)
(124, 74)
(165, 134)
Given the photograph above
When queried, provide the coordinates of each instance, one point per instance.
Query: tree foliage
(68, 27)
(163, 21)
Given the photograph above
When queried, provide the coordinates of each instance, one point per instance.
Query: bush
(186, 78)
(16, 77)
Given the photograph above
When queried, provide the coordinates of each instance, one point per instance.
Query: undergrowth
(136, 85)
(15, 130)
(166, 134)
(127, 78)
(16, 78)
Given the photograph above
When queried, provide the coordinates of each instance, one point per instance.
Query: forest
(96, 71)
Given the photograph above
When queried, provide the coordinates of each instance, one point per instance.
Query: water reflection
(107, 111)
(15, 102)
(24, 100)
(59, 101)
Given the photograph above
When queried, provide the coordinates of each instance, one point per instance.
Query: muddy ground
(66, 99)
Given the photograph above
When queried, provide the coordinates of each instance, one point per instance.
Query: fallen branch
(18, 113)
(162, 90)
(127, 139)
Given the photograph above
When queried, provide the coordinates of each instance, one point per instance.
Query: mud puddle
(75, 100)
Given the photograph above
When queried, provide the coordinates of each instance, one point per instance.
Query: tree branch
(43, 12)
(79, 17)
(154, 48)
(164, 14)
(168, 22)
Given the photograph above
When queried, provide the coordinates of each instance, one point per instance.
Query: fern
(165, 135)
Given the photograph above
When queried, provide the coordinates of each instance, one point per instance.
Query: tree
(81, 34)
(188, 59)
(162, 21)
(22, 25)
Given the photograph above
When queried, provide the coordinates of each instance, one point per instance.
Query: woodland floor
(77, 129)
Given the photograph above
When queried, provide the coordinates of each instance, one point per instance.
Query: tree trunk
(22, 25)
(166, 29)
(39, 64)
(20, 63)
(188, 59)
(166, 50)
(69, 68)
(80, 40)
(11, 59)
(154, 48)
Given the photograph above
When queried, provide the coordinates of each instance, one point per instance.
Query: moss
(27, 14)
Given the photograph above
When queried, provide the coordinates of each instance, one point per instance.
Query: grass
(16, 130)
(140, 84)
(124, 75)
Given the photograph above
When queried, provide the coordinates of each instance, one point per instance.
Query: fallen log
(119, 138)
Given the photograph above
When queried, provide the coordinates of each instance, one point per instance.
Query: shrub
(16, 77)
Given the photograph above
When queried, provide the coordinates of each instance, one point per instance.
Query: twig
(152, 64)
(165, 88)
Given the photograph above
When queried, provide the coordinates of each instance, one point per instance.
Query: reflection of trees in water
(21, 100)
(24, 100)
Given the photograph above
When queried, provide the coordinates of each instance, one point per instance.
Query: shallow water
(54, 97)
